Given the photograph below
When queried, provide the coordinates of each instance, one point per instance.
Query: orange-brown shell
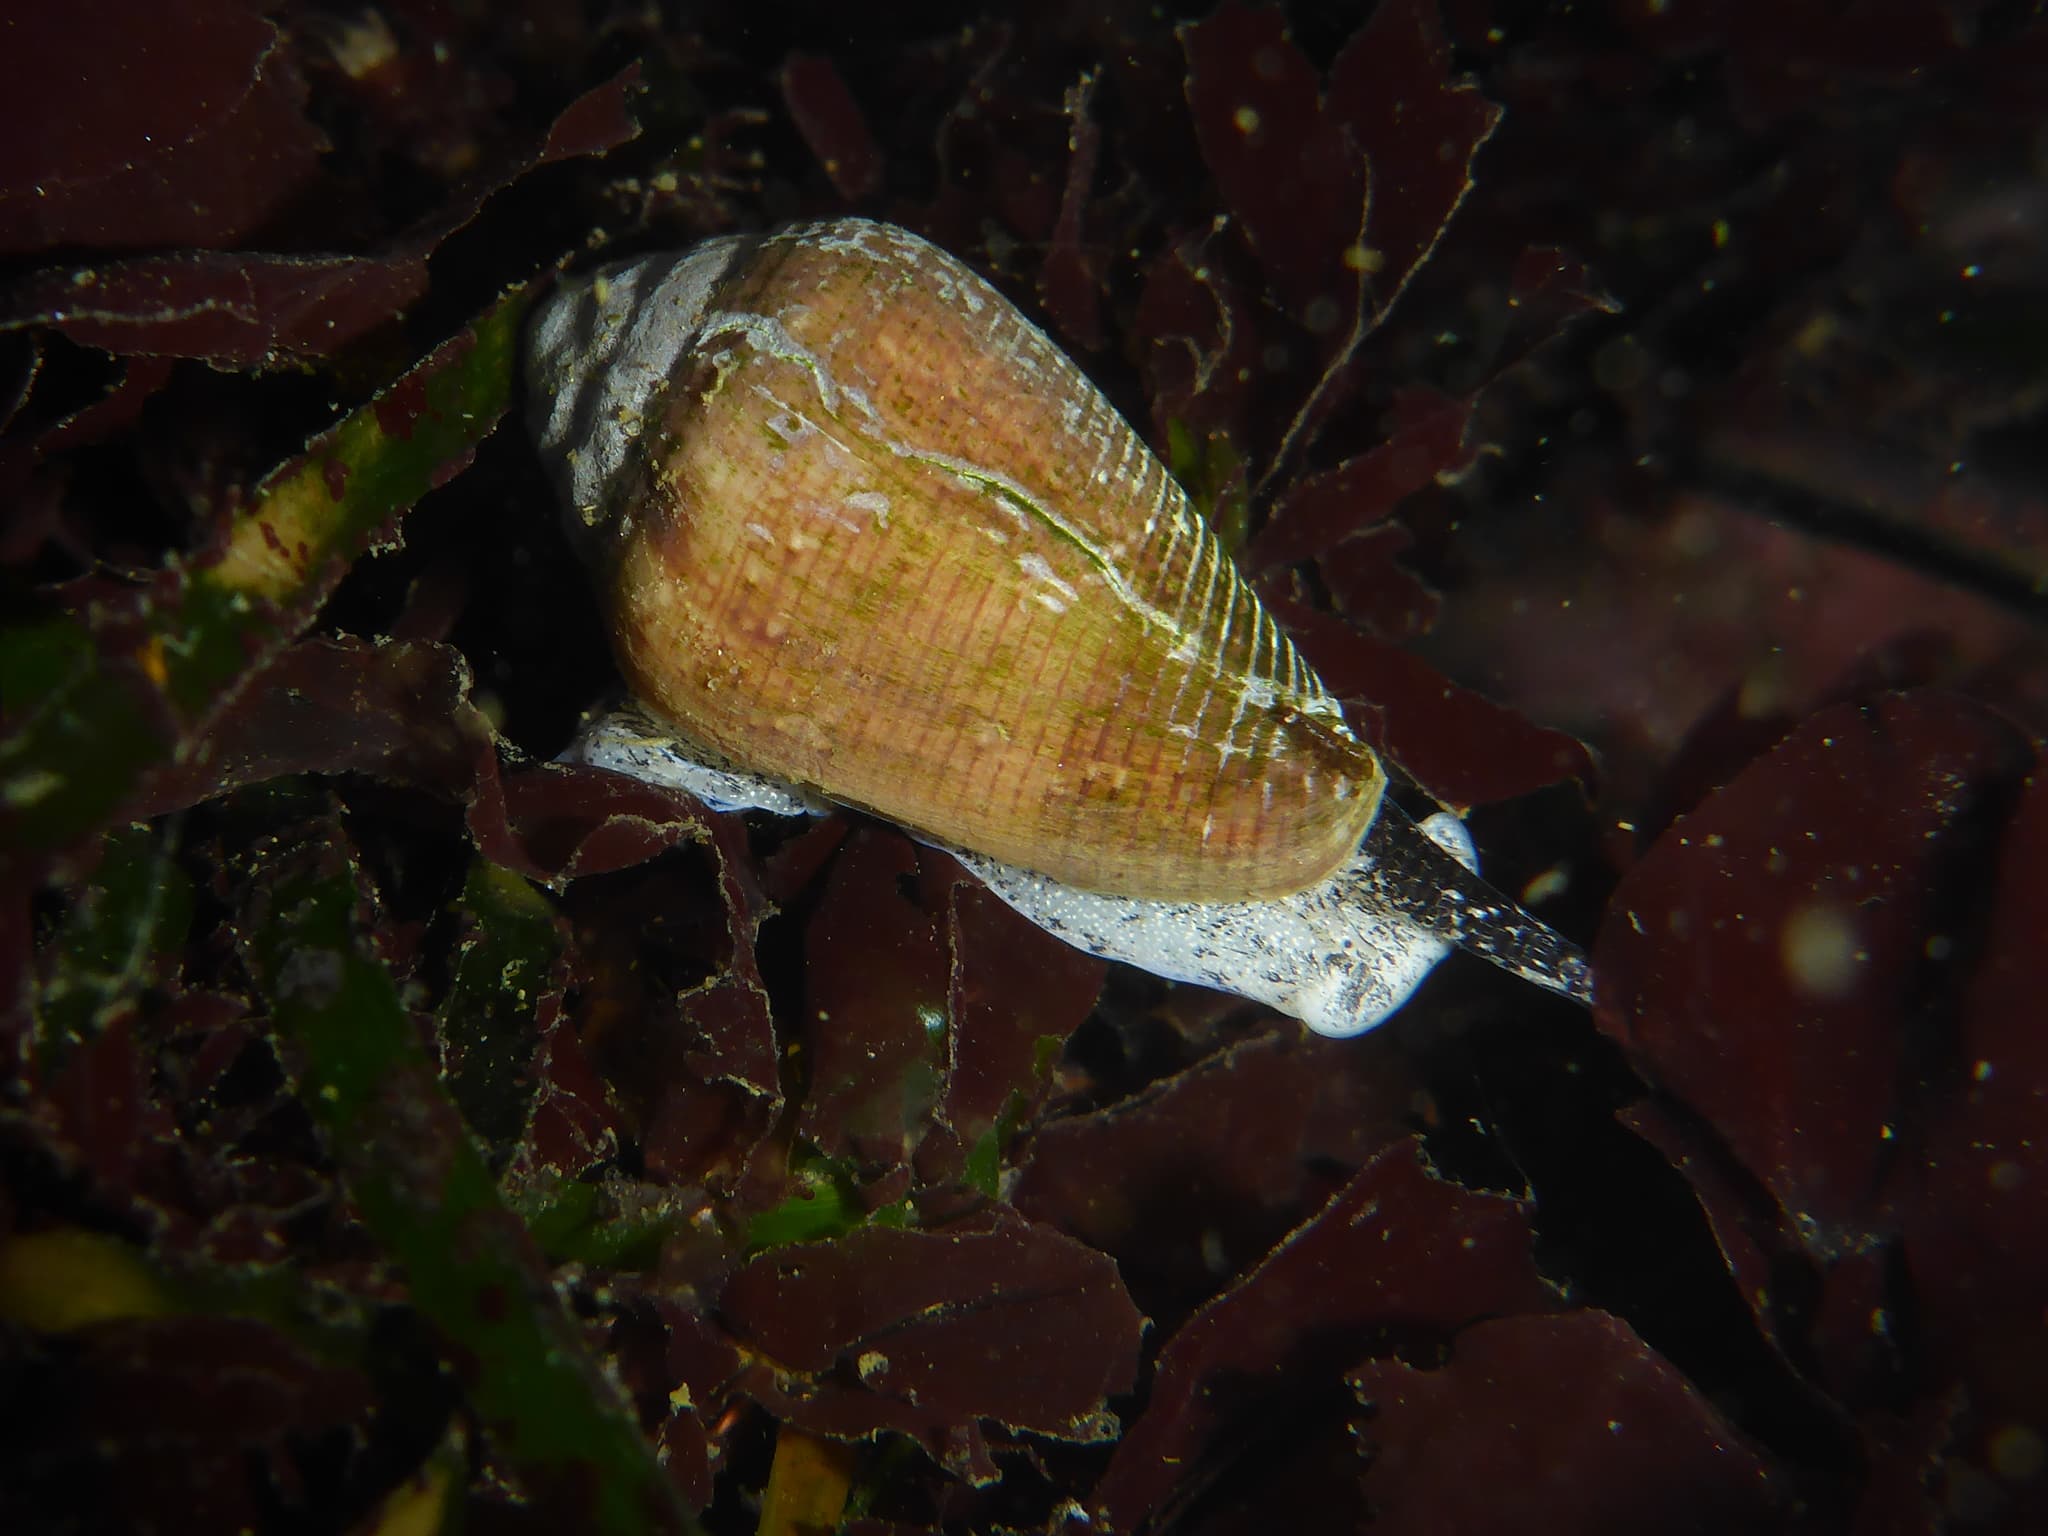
(874, 534)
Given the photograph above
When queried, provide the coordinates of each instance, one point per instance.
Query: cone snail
(863, 535)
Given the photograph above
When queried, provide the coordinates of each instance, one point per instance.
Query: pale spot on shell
(1112, 778)
(803, 730)
(874, 503)
(828, 515)
(1038, 568)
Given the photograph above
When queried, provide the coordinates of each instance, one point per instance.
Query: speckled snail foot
(863, 535)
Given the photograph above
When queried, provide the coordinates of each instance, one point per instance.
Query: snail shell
(860, 526)
(864, 535)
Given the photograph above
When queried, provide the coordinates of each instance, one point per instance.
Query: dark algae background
(1637, 410)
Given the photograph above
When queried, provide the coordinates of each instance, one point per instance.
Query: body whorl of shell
(860, 526)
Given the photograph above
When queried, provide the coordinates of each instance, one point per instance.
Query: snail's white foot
(1335, 956)
(1339, 956)
(631, 742)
